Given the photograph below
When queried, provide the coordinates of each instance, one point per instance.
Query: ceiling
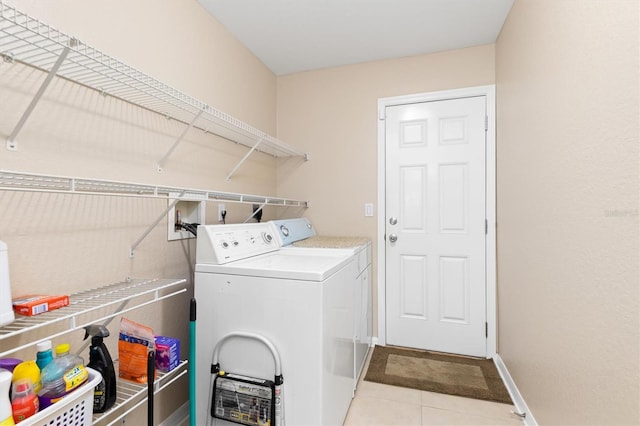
(299, 35)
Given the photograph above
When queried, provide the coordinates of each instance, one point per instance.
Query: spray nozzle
(95, 330)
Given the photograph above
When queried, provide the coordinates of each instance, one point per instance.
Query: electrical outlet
(185, 212)
(221, 208)
(368, 209)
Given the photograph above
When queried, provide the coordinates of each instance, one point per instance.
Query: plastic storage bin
(75, 409)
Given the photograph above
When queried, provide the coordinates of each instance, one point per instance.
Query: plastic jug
(62, 375)
(6, 307)
(6, 419)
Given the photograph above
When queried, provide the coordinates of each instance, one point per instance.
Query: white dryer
(300, 303)
(300, 234)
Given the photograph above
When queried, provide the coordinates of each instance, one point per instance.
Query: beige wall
(332, 113)
(567, 93)
(567, 80)
(65, 243)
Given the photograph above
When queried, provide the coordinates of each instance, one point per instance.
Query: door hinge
(486, 123)
(486, 227)
(486, 329)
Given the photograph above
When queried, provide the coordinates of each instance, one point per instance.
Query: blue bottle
(44, 355)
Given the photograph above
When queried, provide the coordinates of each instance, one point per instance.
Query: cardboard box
(34, 304)
(167, 353)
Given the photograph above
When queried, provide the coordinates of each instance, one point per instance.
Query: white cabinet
(89, 307)
(363, 326)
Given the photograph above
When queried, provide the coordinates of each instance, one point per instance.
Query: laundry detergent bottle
(62, 375)
(104, 394)
(6, 418)
(44, 355)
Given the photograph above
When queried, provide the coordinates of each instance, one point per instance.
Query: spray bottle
(104, 394)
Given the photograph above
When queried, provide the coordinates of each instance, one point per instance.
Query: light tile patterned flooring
(378, 404)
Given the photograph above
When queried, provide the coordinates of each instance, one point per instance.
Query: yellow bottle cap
(62, 348)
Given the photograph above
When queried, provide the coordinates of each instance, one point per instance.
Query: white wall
(567, 94)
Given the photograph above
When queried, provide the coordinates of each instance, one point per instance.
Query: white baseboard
(521, 407)
(178, 417)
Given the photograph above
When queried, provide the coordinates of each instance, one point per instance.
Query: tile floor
(378, 404)
(383, 405)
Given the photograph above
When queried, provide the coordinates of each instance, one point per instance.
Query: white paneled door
(435, 225)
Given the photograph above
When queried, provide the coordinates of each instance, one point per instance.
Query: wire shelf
(129, 392)
(27, 40)
(88, 301)
(17, 181)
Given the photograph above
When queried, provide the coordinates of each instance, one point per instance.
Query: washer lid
(285, 264)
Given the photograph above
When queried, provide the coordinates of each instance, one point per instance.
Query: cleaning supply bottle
(24, 402)
(6, 418)
(28, 370)
(104, 394)
(62, 375)
(44, 355)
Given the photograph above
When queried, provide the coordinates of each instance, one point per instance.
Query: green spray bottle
(104, 394)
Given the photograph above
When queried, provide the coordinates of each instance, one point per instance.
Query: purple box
(167, 353)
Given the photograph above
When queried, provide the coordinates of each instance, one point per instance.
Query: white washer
(301, 303)
(299, 234)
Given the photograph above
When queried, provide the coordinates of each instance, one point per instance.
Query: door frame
(489, 92)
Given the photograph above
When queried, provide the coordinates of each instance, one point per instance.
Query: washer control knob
(267, 237)
(225, 244)
(284, 230)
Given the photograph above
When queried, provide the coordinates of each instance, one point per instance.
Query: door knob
(393, 220)
(393, 238)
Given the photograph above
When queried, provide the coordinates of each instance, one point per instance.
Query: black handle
(192, 310)
(151, 369)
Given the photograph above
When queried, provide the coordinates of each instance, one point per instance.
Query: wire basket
(75, 409)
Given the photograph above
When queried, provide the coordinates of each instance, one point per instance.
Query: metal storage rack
(16, 181)
(132, 395)
(85, 308)
(29, 41)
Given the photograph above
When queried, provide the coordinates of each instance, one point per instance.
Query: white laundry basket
(75, 409)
